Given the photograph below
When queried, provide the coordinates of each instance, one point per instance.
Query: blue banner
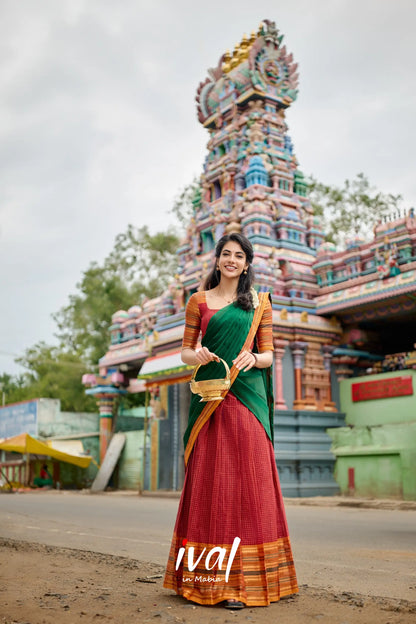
(19, 418)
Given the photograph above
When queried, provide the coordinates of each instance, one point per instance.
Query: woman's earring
(245, 271)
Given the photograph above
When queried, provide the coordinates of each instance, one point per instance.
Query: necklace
(227, 299)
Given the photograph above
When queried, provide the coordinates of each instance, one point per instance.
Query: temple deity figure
(274, 263)
(193, 236)
(219, 223)
(387, 262)
(177, 294)
(226, 182)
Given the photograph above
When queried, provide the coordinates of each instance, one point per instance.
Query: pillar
(298, 351)
(327, 351)
(105, 406)
(154, 455)
(275, 180)
(279, 351)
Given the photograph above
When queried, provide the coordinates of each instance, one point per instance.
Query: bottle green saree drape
(229, 331)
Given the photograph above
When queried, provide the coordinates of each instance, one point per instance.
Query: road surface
(368, 551)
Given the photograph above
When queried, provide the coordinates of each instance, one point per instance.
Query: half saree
(231, 488)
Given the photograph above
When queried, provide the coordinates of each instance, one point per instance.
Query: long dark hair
(244, 298)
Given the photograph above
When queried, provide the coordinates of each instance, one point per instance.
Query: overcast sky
(98, 123)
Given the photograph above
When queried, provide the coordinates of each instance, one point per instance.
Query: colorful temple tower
(251, 184)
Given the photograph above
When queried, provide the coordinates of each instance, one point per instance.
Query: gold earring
(245, 271)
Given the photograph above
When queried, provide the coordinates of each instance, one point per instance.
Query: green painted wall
(379, 444)
(67, 423)
(131, 461)
(383, 458)
(74, 426)
(128, 471)
(380, 411)
(376, 476)
(138, 412)
(73, 477)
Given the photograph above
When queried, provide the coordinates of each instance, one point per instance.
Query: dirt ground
(47, 585)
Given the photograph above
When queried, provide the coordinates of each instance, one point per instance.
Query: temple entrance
(385, 332)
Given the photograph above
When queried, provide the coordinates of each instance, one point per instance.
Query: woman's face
(232, 261)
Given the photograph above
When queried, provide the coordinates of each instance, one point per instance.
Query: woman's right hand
(204, 356)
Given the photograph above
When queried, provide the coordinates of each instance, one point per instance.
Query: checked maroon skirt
(232, 490)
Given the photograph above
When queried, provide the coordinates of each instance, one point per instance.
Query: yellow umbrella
(24, 443)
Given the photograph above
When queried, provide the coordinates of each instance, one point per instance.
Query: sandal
(234, 604)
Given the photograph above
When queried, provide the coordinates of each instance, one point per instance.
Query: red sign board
(382, 389)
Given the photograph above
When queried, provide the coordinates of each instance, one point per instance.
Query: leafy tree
(186, 202)
(83, 323)
(11, 387)
(140, 265)
(350, 210)
(51, 373)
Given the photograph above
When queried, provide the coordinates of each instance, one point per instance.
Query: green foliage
(12, 387)
(186, 202)
(140, 265)
(144, 261)
(51, 373)
(350, 210)
(83, 323)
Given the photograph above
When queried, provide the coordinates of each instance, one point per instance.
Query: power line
(79, 365)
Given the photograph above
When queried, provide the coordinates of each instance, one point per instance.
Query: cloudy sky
(98, 126)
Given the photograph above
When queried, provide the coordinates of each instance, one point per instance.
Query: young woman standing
(231, 487)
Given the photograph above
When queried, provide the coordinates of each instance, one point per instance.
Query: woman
(231, 540)
(44, 479)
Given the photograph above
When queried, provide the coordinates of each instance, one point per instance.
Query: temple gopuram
(343, 320)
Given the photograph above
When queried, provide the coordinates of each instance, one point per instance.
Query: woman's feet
(234, 604)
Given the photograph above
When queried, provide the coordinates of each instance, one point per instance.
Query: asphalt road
(370, 551)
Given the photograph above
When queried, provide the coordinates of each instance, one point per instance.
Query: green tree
(350, 210)
(51, 373)
(12, 387)
(140, 265)
(186, 202)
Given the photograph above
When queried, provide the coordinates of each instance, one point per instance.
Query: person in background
(44, 479)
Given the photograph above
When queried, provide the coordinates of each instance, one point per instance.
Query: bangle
(255, 358)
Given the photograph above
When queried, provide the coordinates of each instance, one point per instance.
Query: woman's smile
(232, 259)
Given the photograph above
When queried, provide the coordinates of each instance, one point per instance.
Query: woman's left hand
(245, 360)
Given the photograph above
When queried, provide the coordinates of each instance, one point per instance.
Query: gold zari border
(260, 574)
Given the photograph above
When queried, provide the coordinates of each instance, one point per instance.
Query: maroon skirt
(231, 490)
